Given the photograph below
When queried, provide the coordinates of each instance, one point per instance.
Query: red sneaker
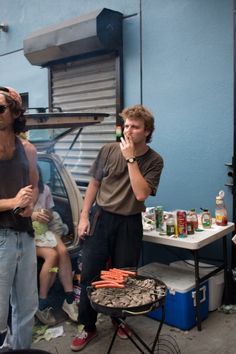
(121, 334)
(80, 341)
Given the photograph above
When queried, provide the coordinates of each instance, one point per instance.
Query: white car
(44, 130)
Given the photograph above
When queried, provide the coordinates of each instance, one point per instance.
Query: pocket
(95, 214)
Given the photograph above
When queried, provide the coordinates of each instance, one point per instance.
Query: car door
(66, 196)
(44, 131)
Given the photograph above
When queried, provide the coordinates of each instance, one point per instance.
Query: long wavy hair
(19, 124)
(40, 182)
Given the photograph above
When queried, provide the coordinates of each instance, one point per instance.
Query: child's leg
(65, 268)
(46, 278)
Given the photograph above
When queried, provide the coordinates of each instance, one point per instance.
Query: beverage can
(181, 223)
(159, 218)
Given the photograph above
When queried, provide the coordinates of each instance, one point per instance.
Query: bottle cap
(221, 194)
(203, 209)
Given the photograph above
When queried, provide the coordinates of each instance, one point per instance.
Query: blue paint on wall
(187, 82)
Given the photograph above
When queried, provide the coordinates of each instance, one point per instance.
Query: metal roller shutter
(88, 85)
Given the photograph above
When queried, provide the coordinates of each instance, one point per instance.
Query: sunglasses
(3, 107)
(4, 89)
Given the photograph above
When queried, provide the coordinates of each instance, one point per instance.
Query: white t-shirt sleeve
(45, 199)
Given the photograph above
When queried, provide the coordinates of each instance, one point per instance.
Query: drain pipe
(234, 142)
(141, 49)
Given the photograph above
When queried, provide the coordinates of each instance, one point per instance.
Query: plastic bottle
(220, 210)
(170, 225)
(190, 226)
(118, 132)
(159, 212)
(194, 218)
(206, 219)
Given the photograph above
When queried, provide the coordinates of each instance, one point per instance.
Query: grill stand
(121, 321)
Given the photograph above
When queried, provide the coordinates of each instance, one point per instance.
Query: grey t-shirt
(115, 193)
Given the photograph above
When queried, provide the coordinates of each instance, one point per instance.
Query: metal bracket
(4, 27)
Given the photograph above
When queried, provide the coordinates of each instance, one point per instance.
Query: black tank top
(14, 174)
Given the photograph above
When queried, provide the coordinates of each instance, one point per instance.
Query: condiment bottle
(170, 225)
(220, 210)
(206, 219)
(190, 226)
(194, 218)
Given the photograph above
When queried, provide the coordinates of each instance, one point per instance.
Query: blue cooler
(180, 307)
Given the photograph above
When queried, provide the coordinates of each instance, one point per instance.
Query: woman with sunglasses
(18, 194)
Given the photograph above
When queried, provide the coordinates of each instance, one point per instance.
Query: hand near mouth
(127, 147)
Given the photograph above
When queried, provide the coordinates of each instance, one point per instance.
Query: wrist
(131, 159)
(84, 215)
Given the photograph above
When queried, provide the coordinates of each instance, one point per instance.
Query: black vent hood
(96, 31)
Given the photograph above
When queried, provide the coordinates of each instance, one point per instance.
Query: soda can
(159, 218)
(181, 223)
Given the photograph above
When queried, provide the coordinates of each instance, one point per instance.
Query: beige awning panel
(100, 30)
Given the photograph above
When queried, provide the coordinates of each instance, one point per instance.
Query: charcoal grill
(119, 314)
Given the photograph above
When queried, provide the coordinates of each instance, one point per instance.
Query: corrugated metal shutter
(85, 86)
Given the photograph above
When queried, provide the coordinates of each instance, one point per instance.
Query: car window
(52, 178)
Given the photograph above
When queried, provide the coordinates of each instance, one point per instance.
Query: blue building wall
(181, 68)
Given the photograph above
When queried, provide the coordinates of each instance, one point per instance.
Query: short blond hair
(138, 111)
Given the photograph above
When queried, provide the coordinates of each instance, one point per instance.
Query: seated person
(50, 247)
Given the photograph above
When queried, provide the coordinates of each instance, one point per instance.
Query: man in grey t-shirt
(124, 175)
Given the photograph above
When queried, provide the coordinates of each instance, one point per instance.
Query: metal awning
(62, 120)
(93, 32)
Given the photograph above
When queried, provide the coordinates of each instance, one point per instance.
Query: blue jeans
(18, 281)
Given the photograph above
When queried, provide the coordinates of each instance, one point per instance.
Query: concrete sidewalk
(218, 336)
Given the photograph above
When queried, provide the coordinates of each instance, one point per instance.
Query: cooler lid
(179, 280)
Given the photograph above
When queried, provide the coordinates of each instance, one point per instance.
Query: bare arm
(27, 196)
(138, 183)
(22, 199)
(90, 196)
(31, 154)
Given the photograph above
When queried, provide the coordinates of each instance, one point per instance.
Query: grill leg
(113, 339)
(159, 328)
(120, 321)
